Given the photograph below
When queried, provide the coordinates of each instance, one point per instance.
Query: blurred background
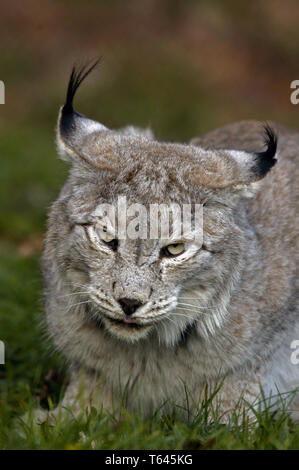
(181, 67)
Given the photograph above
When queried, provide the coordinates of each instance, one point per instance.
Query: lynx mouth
(128, 325)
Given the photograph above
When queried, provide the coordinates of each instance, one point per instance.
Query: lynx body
(137, 315)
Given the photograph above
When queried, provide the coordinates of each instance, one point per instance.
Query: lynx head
(141, 287)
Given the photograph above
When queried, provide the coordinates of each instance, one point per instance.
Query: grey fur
(227, 312)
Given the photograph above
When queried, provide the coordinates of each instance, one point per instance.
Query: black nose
(129, 306)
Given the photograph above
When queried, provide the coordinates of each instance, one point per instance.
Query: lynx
(159, 316)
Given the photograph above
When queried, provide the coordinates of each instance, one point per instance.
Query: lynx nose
(129, 306)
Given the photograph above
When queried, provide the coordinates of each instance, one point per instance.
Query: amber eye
(174, 249)
(107, 238)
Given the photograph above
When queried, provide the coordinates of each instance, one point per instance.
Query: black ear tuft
(266, 160)
(77, 76)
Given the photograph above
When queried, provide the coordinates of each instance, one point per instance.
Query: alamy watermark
(2, 353)
(152, 221)
(2, 92)
(295, 354)
(294, 97)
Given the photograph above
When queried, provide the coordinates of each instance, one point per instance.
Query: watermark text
(2, 353)
(2, 92)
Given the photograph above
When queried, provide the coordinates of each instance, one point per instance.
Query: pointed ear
(221, 169)
(77, 135)
(255, 166)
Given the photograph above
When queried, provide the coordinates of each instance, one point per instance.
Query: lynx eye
(107, 238)
(174, 249)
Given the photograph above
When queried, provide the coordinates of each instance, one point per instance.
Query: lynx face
(145, 287)
(132, 286)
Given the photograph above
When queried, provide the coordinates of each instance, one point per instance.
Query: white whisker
(187, 309)
(195, 306)
(79, 303)
(73, 293)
